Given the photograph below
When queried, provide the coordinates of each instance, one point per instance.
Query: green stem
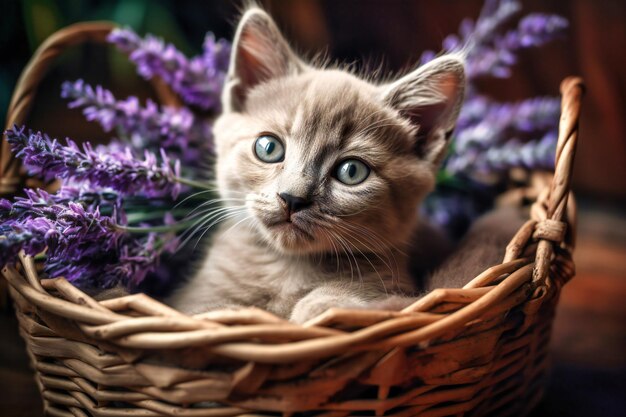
(136, 217)
(157, 229)
(194, 184)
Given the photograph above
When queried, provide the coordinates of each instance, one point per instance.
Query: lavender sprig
(483, 148)
(488, 52)
(142, 257)
(135, 260)
(198, 80)
(535, 154)
(68, 231)
(105, 224)
(90, 199)
(119, 170)
(484, 123)
(216, 56)
(151, 127)
(84, 246)
(494, 14)
(100, 105)
(13, 240)
(485, 129)
(497, 58)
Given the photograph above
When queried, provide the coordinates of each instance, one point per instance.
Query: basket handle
(11, 177)
(551, 227)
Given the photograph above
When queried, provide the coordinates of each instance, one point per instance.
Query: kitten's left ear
(259, 53)
(430, 97)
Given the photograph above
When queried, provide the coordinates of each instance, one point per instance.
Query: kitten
(322, 174)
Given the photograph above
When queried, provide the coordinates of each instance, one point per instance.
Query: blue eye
(352, 172)
(269, 149)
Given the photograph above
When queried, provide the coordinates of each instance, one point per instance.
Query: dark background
(589, 342)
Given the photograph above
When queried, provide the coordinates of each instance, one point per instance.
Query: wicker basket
(479, 350)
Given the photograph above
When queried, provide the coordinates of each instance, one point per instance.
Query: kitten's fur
(349, 248)
(481, 247)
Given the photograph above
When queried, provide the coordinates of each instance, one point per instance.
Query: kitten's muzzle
(293, 204)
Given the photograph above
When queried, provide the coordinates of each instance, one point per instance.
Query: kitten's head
(323, 159)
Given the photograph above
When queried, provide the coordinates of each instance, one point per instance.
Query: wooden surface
(588, 344)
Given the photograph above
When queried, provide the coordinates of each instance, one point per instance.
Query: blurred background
(589, 342)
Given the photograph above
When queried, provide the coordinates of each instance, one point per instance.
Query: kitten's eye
(352, 172)
(269, 149)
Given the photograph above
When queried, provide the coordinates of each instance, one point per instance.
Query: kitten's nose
(294, 203)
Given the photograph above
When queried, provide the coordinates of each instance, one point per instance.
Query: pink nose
(293, 203)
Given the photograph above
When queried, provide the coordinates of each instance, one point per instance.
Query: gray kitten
(321, 173)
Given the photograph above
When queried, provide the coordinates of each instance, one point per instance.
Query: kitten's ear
(430, 97)
(259, 53)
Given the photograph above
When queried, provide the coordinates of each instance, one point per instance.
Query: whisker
(207, 191)
(375, 239)
(350, 253)
(379, 249)
(216, 201)
(193, 196)
(238, 223)
(216, 221)
(200, 228)
(214, 216)
(368, 259)
(334, 247)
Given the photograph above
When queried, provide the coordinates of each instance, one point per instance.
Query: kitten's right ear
(259, 53)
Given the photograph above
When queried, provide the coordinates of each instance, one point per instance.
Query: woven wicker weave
(480, 350)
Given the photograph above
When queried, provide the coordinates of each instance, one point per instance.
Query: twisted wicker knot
(552, 230)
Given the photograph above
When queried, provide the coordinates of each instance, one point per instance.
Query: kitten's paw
(303, 312)
(305, 309)
(392, 303)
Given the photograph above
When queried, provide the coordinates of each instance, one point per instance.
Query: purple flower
(69, 231)
(487, 50)
(485, 126)
(216, 54)
(125, 40)
(12, 241)
(483, 122)
(177, 131)
(198, 80)
(491, 138)
(535, 154)
(536, 30)
(493, 16)
(86, 195)
(135, 259)
(497, 56)
(85, 247)
(142, 257)
(119, 170)
(83, 229)
(501, 158)
(38, 202)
